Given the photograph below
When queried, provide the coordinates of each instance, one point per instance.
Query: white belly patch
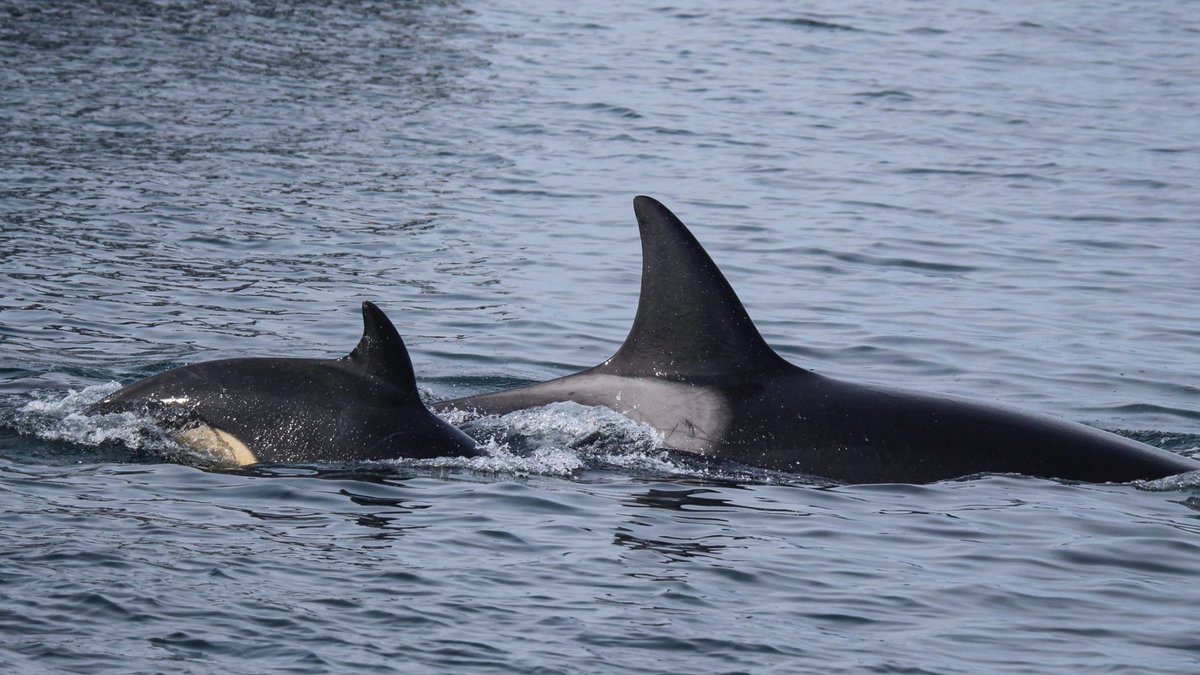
(218, 442)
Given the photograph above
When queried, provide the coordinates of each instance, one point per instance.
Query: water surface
(992, 200)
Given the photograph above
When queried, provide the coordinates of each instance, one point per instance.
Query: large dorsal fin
(381, 353)
(689, 321)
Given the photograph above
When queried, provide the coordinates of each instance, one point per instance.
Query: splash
(62, 418)
(566, 439)
(53, 416)
(1183, 481)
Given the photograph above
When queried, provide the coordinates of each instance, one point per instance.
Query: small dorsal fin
(381, 353)
(689, 321)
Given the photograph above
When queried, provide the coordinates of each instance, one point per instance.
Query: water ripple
(981, 201)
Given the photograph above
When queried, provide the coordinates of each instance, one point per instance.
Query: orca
(361, 407)
(695, 368)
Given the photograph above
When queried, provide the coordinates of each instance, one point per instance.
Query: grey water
(987, 199)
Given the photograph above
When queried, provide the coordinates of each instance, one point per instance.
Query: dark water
(993, 200)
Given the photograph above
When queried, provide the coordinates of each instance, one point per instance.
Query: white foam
(560, 439)
(56, 416)
(1183, 481)
(564, 439)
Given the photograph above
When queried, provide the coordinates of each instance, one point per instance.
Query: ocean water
(991, 200)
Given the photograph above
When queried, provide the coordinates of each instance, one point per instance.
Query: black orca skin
(695, 368)
(361, 407)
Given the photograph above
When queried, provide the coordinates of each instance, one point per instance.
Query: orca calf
(695, 368)
(363, 406)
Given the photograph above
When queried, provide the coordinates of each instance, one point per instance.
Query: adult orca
(361, 407)
(695, 368)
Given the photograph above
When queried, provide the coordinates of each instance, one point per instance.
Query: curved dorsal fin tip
(644, 202)
(381, 351)
(652, 215)
(689, 320)
(376, 323)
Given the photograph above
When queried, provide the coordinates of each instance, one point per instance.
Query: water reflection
(382, 515)
(678, 500)
(676, 537)
(675, 549)
(379, 474)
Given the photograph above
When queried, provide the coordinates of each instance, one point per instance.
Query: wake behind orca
(695, 368)
(361, 407)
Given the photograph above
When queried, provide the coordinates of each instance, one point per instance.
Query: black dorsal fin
(689, 321)
(381, 353)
